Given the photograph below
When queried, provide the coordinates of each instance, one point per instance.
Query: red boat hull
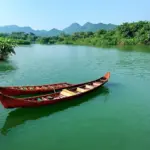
(14, 91)
(9, 102)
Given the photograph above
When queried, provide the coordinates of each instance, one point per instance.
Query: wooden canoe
(19, 116)
(27, 90)
(68, 93)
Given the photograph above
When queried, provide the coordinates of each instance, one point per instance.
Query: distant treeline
(137, 33)
(19, 38)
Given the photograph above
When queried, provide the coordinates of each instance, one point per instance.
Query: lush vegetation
(125, 34)
(6, 48)
(19, 38)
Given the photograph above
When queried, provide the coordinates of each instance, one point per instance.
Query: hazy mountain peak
(54, 29)
(75, 24)
(74, 27)
(88, 23)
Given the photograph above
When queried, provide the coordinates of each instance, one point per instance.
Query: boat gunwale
(16, 90)
(20, 86)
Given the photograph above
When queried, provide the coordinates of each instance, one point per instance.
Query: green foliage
(19, 38)
(6, 48)
(22, 42)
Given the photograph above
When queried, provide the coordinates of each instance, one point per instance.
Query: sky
(48, 14)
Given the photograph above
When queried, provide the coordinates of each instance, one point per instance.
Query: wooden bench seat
(89, 86)
(66, 92)
(81, 90)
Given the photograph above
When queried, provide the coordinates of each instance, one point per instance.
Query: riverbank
(137, 33)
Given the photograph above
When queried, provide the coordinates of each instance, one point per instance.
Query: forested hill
(88, 27)
(136, 33)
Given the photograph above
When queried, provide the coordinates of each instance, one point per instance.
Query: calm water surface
(116, 117)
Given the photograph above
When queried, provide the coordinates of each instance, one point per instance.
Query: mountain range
(75, 27)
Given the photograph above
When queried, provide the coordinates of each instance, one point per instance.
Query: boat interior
(43, 87)
(66, 92)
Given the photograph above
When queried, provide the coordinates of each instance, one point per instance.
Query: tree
(6, 49)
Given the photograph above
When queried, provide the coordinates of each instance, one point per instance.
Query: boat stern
(4, 101)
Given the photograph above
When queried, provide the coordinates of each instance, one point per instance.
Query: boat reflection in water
(21, 115)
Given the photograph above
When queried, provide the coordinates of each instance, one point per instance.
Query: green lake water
(115, 117)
